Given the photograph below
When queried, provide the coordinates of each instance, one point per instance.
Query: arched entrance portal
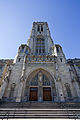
(41, 86)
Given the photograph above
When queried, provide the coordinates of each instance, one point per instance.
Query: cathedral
(40, 74)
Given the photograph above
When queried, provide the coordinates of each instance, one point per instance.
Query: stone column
(58, 85)
(75, 83)
(23, 68)
(26, 91)
(60, 90)
(5, 82)
(3, 87)
(77, 88)
(40, 88)
(54, 92)
(19, 95)
(18, 99)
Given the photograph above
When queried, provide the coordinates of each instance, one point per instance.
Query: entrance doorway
(33, 94)
(47, 94)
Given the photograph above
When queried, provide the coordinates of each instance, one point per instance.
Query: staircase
(40, 110)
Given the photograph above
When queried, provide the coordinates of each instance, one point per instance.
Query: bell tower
(40, 40)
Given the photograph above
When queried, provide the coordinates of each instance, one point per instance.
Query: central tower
(40, 40)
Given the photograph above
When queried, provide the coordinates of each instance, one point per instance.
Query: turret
(57, 51)
(23, 50)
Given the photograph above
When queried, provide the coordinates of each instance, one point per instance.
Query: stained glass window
(40, 46)
(45, 80)
(34, 80)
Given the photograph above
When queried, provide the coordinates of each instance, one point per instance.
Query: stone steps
(39, 105)
(40, 113)
(40, 110)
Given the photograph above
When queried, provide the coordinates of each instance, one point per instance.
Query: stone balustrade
(40, 58)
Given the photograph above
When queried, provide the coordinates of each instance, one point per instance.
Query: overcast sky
(17, 16)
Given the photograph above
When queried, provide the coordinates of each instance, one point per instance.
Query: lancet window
(38, 28)
(57, 48)
(40, 46)
(45, 80)
(34, 80)
(41, 28)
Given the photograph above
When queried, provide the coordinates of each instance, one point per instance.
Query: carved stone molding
(58, 79)
(22, 79)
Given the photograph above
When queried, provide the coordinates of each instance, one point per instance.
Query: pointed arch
(40, 82)
(47, 75)
(37, 69)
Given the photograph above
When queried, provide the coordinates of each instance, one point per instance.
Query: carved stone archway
(39, 84)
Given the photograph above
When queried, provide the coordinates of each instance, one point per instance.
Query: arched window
(12, 90)
(68, 90)
(22, 49)
(45, 80)
(40, 46)
(34, 80)
(41, 28)
(57, 48)
(38, 28)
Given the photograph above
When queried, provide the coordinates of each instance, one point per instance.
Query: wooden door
(47, 94)
(33, 94)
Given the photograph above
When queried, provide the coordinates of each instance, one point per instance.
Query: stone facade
(3, 63)
(40, 71)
